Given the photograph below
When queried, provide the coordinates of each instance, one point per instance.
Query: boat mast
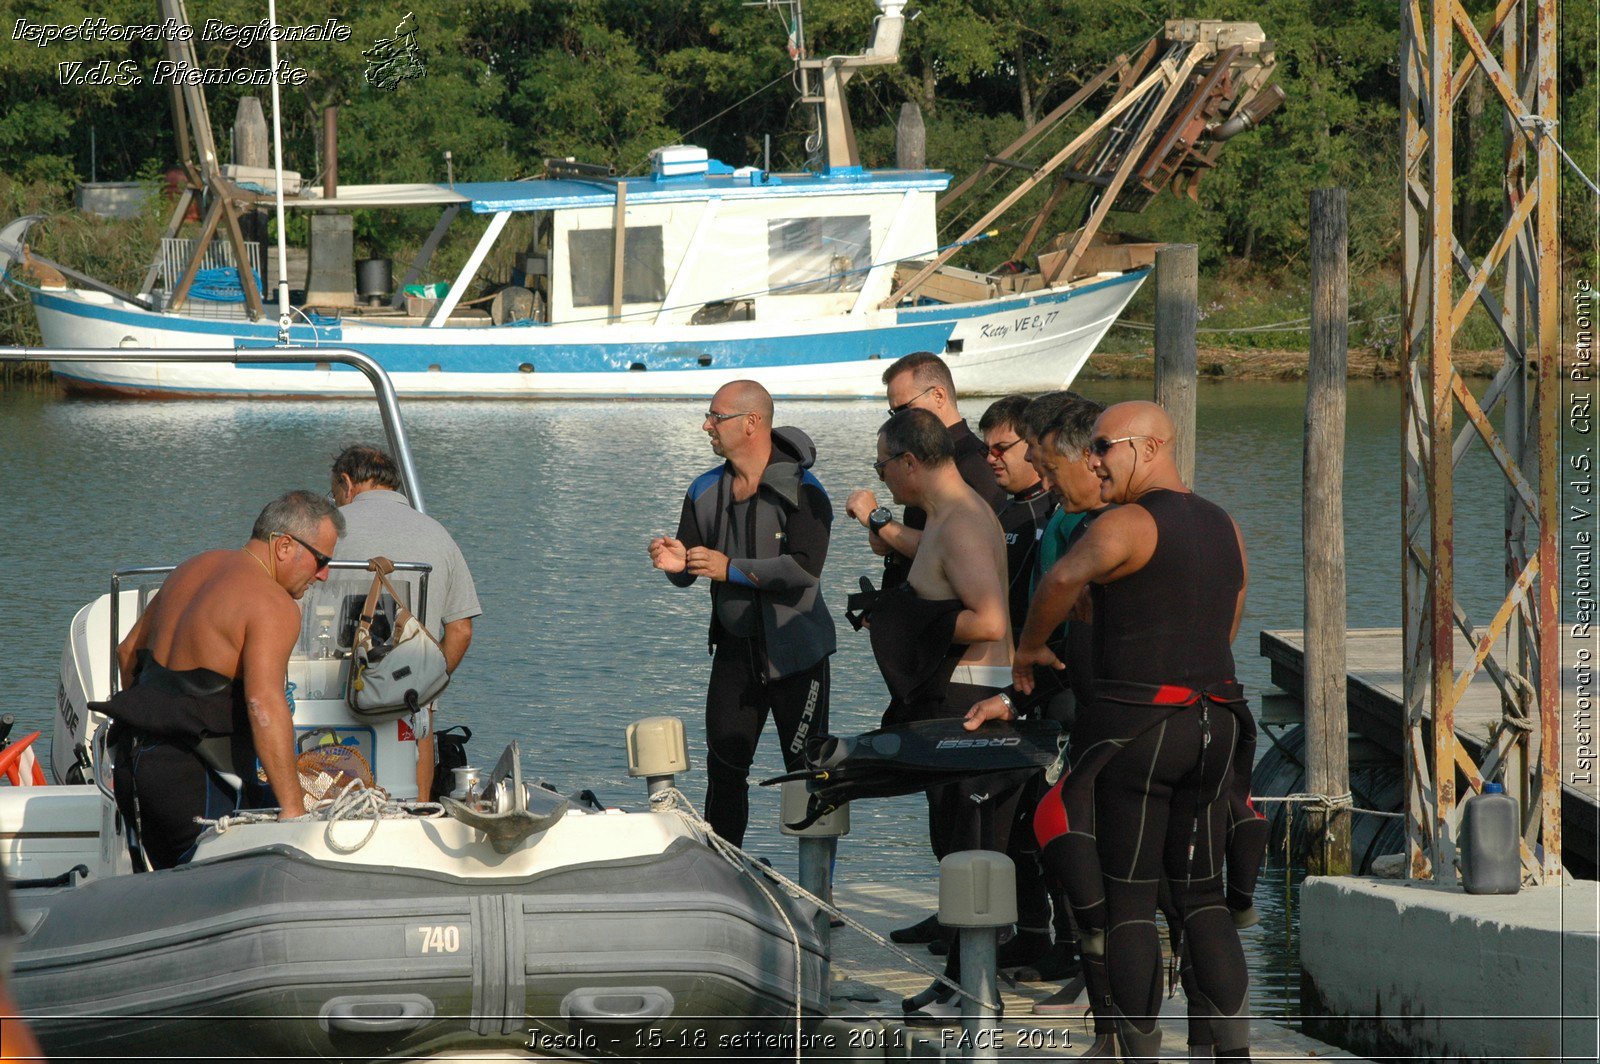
(277, 178)
(835, 134)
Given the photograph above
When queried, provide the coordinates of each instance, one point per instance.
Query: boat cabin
(702, 243)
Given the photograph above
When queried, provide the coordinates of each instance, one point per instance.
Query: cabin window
(810, 255)
(643, 278)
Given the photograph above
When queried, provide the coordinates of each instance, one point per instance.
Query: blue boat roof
(491, 197)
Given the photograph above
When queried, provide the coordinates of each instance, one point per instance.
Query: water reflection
(553, 504)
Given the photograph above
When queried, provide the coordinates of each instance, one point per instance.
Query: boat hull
(1030, 342)
(292, 955)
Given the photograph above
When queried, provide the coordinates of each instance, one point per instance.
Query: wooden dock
(861, 967)
(1375, 697)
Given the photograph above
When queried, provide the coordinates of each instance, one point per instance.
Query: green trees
(508, 83)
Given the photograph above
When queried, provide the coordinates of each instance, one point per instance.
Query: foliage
(509, 83)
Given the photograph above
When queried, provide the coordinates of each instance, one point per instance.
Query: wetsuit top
(1169, 623)
(1023, 523)
(914, 641)
(189, 706)
(973, 463)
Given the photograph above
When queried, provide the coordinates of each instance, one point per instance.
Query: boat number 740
(440, 938)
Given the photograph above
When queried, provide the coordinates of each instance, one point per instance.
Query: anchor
(511, 820)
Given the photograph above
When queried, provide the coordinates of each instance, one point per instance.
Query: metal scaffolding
(1515, 283)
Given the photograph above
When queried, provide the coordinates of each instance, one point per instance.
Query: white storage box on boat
(676, 160)
(44, 831)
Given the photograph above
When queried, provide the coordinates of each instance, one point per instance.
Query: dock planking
(863, 964)
(1375, 698)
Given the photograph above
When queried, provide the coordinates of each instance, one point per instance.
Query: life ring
(17, 761)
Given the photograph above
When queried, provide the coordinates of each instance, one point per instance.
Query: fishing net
(328, 770)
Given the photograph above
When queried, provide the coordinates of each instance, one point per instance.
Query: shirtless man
(960, 561)
(943, 639)
(203, 675)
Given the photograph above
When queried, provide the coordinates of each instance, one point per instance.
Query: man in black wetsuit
(922, 381)
(203, 673)
(757, 527)
(1166, 573)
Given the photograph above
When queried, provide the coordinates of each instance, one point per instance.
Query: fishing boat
(674, 283)
(511, 917)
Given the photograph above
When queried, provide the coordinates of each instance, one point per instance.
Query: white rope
(675, 802)
(352, 803)
(1546, 127)
(1326, 802)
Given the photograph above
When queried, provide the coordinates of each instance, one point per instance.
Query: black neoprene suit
(161, 782)
(1158, 746)
(737, 702)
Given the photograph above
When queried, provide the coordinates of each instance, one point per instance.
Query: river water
(553, 505)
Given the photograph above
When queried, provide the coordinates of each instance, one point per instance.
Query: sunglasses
(712, 415)
(999, 450)
(322, 560)
(1100, 446)
(878, 467)
(893, 410)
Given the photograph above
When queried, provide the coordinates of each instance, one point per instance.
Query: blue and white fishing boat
(666, 285)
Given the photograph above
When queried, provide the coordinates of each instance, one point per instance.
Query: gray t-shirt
(736, 604)
(383, 522)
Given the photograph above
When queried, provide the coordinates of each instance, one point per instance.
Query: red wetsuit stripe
(1050, 819)
(1169, 695)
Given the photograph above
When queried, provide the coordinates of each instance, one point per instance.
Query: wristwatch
(878, 518)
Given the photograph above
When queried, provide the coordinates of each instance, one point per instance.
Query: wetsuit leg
(1247, 828)
(1211, 947)
(1157, 802)
(1033, 897)
(161, 788)
(800, 710)
(974, 813)
(736, 711)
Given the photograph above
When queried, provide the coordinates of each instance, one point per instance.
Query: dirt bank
(1219, 363)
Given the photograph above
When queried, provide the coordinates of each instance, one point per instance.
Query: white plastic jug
(1491, 861)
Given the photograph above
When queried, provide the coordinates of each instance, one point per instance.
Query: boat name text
(242, 34)
(1026, 323)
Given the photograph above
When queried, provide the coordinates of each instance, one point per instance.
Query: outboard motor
(86, 673)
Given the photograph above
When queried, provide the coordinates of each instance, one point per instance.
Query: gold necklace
(264, 565)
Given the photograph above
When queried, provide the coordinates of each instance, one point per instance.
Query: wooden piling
(251, 147)
(1177, 316)
(910, 139)
(1322, 493)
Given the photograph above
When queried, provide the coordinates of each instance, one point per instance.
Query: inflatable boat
(506, 917)
(610, 935)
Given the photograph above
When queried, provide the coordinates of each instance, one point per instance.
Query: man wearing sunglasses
(203, 673)
(757, 527)
(1166, 574)
(922, 381)
(382, 521)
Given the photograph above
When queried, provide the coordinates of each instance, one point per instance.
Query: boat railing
(423, 569)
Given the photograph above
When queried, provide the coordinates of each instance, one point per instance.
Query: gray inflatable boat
(608, 935)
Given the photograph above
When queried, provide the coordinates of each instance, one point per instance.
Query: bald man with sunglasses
(1164, 574)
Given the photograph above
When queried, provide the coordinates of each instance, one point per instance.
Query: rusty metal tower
(1443, 49)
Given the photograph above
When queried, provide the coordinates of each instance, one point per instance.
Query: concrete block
(114, 199)
(1438, 973)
